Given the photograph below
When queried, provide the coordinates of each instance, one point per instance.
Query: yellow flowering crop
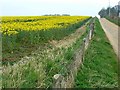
(13, 24)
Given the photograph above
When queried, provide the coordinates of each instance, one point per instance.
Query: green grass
(99, 68)
(115, 21)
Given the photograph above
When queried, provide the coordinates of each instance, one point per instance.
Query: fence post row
(62, 82)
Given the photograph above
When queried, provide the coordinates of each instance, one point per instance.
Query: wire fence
(59, 81)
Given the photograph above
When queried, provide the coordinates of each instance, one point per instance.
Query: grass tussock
(115, 20)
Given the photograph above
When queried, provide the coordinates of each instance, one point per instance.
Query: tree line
(110, 11)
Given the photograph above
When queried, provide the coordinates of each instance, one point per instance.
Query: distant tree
(118, 11)
(107, 11)
(102, 12)
(65, 15)
(56, 15)
(113, 12)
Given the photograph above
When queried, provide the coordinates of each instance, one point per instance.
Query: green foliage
(116, 20)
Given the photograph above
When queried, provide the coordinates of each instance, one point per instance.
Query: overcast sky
(41, 7)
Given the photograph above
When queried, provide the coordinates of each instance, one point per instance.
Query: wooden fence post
(58, 81)
(91, 30)
(83, 48)
(90, 34)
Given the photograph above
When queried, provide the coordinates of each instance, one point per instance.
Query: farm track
(111, 31)
(69, 40)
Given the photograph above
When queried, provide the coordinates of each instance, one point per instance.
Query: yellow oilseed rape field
(21, 32)
(12, 25)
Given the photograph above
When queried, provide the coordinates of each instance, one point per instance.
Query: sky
(42, 7)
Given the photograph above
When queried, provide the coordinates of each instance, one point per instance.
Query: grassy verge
(115, 21)
(100, 65)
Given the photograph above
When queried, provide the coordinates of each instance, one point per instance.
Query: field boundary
(60, 81)
(99, 69)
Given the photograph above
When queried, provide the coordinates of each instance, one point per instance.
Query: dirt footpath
(111, 31)
(69, 40)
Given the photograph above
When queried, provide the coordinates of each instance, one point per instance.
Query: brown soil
(69, 40)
